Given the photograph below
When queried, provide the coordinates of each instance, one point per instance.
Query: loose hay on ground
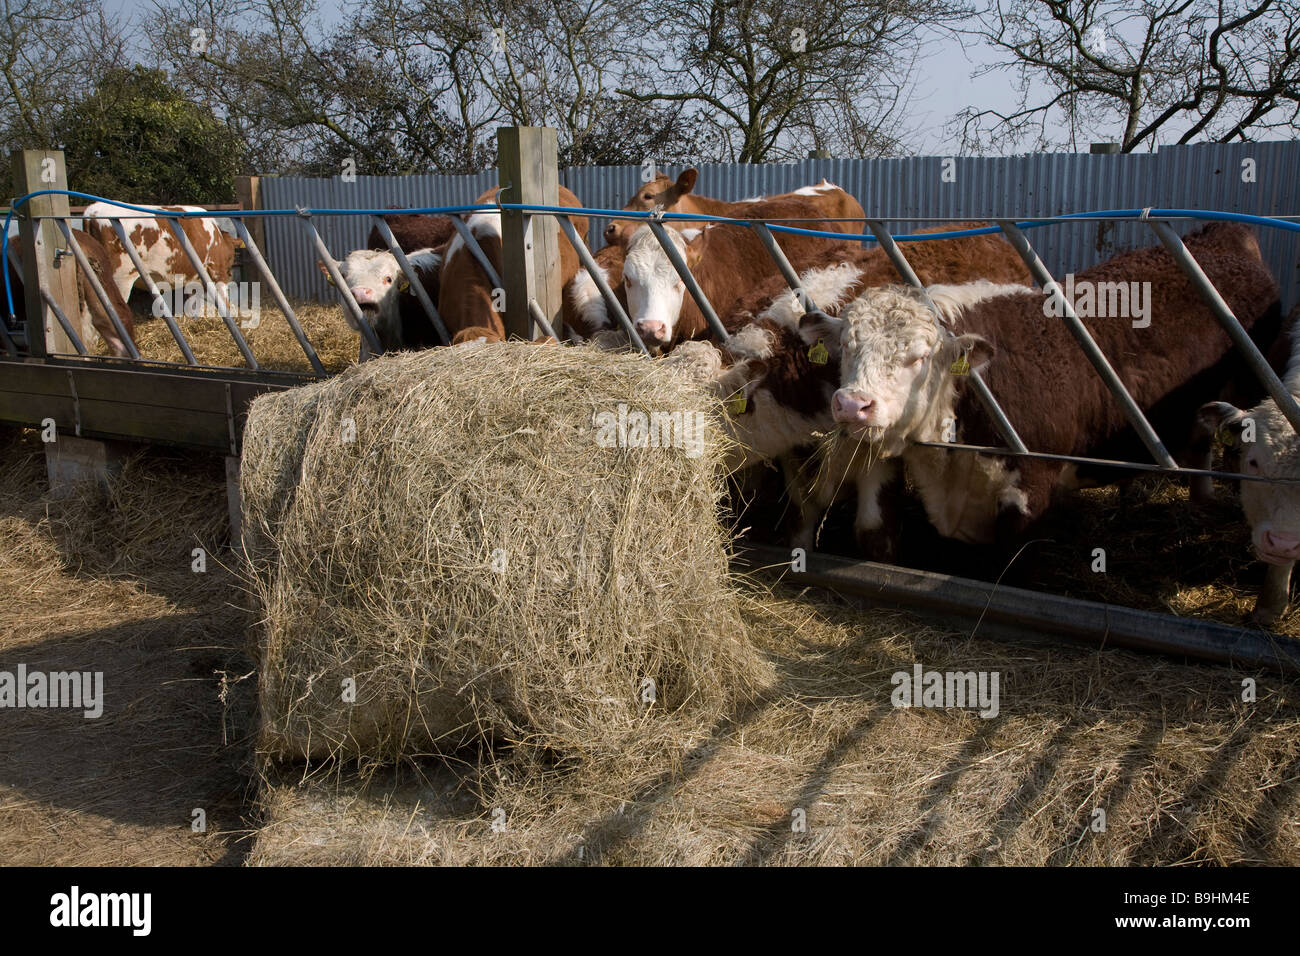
(107, 585)
(444, 529)
(272, 342)
(1184, 770)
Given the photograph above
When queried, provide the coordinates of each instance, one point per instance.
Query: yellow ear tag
(405, 284)
(329, 278)
(737, 404)
(1228, 438)
(961, 366)
(818, 354)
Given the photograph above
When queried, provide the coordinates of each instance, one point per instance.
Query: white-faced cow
(387, 302)
(903, 380)
(727, 262)
(1269, 448)
(159, 249)
(780, 369)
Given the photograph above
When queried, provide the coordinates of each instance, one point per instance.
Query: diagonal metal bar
(783, 264)
(539, 319)
(97, 287)
(63, 321)
(606, 293)
(471, 243)
(416, 285)
(159, 299)
(289, 315)
(210, 288)
(1000, 420)
(1090, 349)
(349, 303)
(693, 287)
(1275, 387)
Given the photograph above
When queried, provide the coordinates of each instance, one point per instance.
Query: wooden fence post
(34, 170)
(528, 172)
(248, 193)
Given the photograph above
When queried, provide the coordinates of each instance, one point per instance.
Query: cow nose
(847, 407)
(655, 330)
(363, 294)
(1279, 543)
(611, 232)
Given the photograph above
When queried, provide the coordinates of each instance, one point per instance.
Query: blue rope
(1136, 214)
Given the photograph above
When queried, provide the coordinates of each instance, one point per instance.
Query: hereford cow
(467, 295)
(387, 302)
(1269, 449)
(159, 249)
(91, 306)
(677, 195)
(903, 381)
(778, 378)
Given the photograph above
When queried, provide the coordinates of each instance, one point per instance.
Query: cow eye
(388, 280)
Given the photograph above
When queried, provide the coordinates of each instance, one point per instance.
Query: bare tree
(52, 53)
(773, 79)
(1153, 71)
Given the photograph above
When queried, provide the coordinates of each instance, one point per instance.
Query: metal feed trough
(57, 377)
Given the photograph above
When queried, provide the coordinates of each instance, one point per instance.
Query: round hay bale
(481, 543)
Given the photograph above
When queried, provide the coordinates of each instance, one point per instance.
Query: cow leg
(1274, 596)
(1200, 454)
(876, 524)
(1020, 504)
(806, 494)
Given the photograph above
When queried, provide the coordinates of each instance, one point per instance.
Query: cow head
(376, 280)
(1269, 448)
(660, 193)
(897, 368)
(654, 289)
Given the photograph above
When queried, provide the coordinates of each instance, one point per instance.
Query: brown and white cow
(903, 380)
(387, 302)
(780, 369)
(160, 251)
(1269, 448)
(91, 306)
(586, 314)
(727, 262)
(678, 195)
(467, 294)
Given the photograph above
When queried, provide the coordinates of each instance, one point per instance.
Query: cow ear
(969, 353)
(819, 325)
(1215, 416)
(686, 181)
(325, 272)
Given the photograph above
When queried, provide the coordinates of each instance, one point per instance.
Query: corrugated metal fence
(1207, 176)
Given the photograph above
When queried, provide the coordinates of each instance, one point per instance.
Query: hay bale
(448, 530)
